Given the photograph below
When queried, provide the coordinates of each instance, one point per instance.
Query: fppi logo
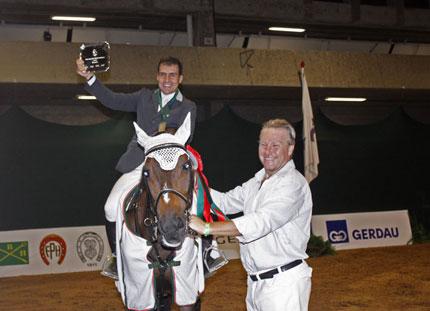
(52, 248)
(90, 248)
(337, 231)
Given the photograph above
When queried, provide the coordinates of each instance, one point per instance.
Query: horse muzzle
(172, 232)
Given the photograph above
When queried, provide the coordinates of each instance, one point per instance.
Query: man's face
(274, 150)
(168, 78)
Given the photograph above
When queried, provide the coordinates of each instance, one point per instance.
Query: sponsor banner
(229, 245)
(64, 250)
(55, 250)
(361, 230)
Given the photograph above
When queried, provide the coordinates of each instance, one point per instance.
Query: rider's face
(168, 78)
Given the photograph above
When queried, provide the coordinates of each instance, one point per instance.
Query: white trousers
(286, 291)
(122, 186)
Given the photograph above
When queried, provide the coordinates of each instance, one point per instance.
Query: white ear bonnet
(166, 157)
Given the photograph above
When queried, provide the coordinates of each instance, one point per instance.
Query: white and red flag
(311, 157)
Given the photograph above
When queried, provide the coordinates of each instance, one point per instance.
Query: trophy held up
(96, 56)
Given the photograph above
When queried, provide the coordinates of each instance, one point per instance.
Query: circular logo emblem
(90, 248)
(53, 248)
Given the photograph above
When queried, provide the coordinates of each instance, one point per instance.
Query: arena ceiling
(322, 19)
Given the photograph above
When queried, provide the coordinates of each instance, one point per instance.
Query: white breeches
(286, 291)
(123, 185)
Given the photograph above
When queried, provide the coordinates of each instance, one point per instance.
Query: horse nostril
(181, 223)
(170, 226)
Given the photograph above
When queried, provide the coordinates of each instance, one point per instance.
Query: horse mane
(169, 130)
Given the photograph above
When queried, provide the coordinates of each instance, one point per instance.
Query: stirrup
(109, 268)
(213, 264)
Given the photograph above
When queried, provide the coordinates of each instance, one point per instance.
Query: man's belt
(269, 274)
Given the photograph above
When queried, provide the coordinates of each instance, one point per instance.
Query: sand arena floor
(392, 278)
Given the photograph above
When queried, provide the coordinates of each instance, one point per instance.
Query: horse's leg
(194, 307)
(187, 308)
(166, 303)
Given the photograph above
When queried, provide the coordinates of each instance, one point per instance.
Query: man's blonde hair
(282, 123)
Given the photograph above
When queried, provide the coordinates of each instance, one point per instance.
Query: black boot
(109, 266)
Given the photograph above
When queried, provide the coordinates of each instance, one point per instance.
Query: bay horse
(159, 261)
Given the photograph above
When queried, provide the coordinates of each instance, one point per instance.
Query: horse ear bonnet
(193, 160)
(167, 157)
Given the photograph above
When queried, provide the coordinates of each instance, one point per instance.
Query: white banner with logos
(55, 250)
(229, 245)
(63, 250)
(361, 230)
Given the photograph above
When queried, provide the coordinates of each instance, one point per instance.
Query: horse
(159, 260)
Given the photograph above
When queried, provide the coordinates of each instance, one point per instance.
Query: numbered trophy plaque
(96, 56)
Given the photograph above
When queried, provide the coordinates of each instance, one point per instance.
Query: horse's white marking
(166, 198)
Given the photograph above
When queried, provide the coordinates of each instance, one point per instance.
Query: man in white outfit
(275, 227)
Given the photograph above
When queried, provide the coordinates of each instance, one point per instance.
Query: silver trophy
(96, 56)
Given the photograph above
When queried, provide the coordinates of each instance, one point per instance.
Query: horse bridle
(152, 220)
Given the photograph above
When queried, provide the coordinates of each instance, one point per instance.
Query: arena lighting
(86, 97)
(345, 99)
(287, 29)
(73, 18)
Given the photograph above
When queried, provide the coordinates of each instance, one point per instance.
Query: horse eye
(146, 173)
(186, 166)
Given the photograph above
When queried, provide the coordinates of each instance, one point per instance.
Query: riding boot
(109, 266)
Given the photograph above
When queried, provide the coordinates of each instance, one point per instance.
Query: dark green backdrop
(56, 176)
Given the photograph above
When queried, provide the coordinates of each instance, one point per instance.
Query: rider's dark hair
(170, 60)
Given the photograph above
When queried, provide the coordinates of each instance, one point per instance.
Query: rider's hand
(81, 69)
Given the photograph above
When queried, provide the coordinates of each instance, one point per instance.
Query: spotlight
(287, 29)
(345, 99)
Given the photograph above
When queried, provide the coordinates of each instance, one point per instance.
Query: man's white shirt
(275, 227)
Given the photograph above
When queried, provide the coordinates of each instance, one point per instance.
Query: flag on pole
(311, 157)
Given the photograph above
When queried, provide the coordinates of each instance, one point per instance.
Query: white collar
(166, 98)
(261, 174)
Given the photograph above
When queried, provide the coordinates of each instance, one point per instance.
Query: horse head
(168, 179)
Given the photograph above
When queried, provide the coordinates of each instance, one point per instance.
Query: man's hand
(226, 227)
(81, 69)
(197, 224)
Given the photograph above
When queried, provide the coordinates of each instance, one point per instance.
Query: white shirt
(165, 99)
(275, 226)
